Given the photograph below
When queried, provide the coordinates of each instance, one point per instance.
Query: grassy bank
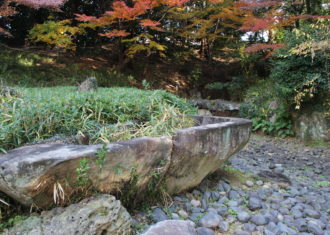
(108, 114)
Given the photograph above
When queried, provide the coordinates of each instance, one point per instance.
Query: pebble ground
(271, 187)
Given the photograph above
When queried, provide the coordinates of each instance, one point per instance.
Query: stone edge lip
(217, 122)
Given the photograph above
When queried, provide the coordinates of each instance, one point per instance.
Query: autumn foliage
(152, 26)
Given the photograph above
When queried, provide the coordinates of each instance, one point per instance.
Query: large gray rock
(171, 227)
(37, 174)
(199, 151)
(30, 174)
(312, 126)
(99, 215)
(216, 105)
(90, 84)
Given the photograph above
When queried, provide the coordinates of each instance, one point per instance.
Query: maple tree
(153, 26)
(273, 16)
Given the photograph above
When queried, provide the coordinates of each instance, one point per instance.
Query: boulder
(312, 126)
(30, 174)
(43, 174)
(98, 215)
(171, 227)
(201, 150)
(90, 84)
(216, 105)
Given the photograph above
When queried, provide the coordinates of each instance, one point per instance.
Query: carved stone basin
(37, 174)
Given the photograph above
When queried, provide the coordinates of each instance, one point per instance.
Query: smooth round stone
(259, 219)
(172, 227)
(223, 226)
(249, 227)
(212, 210)
(243, 216)
(183, 213)
(204, 231)
(233, 195)
(279, 170)
(267, 232)
(195, 216)
(254, 203)
(275, 206)
(296, 214)
(225, 186)
(175, 216)
(249, 183)
(272, 227)
(312, 213)
(284, 211)
(195, 203)
(210, 220)
(318, 223)
(259, 182)
(233, 203)
(285, 229)
(159, 215)
(241, 232)
(301, 225)
(314, 228)
(196, 210)
(222, 210)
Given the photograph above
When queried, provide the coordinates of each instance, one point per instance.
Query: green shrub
(302, 67)
(108, 114)
(258, 107)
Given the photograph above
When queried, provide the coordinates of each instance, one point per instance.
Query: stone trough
(39, 174)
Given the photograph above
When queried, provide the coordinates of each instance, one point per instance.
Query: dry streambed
(272, 186)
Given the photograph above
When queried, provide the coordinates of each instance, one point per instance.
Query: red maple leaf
(149, 23)
(115, 33)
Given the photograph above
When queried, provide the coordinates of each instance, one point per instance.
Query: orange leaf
(115, 33)
(149, 23)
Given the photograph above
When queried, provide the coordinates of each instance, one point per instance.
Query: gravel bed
(271, 187)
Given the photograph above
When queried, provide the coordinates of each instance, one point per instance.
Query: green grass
(318, 143)
(322, 183)
(107, 115)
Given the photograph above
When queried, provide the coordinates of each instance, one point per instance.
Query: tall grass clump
(109, 114)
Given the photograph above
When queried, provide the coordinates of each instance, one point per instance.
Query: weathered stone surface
(90, 84)
(204, 112)
(28, 174)
(312, 126)
(216, 105)
(170, 227)
(31, 174)
(99, 215)
(201, 150)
